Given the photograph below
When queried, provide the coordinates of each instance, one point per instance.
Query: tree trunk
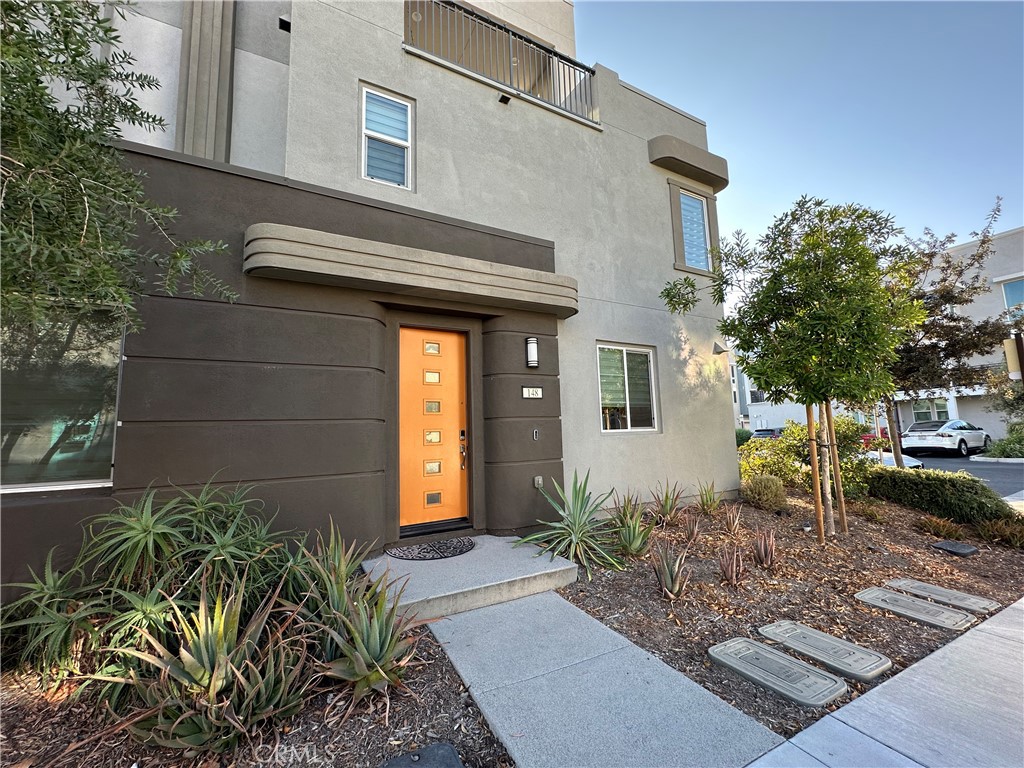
(894, 430)
(815, 479)
(826, 473)
(840, 496)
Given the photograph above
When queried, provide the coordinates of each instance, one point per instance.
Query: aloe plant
(730, 562)
(578, 534)
(690, 525)
(375, 647)
(763, 548)
(708, 500)
(634, 534)
(672, 577)
(135, 543)
(731, 519)
(665, 502)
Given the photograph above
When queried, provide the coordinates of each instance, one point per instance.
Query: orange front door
(432, 424)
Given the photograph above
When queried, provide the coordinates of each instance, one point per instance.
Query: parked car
(769, 433)
(870, 437)
(888, 460)
(955, 435)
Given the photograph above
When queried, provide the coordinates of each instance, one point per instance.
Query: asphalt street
(1004, 479)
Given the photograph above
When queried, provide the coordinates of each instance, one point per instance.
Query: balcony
(489, 50)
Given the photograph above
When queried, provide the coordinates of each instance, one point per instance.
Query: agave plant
(672, 577)
(665, 503)
(375, 648)
(579, 534)
(634, 534)
(708, 500)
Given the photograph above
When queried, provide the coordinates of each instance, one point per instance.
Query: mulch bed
(36, 729)
(811, 584)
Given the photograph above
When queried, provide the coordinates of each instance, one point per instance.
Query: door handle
(462, 453)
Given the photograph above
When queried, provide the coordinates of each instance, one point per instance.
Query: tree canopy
(70, 205)
(825, 301)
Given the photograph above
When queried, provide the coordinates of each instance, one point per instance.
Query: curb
(997, 461)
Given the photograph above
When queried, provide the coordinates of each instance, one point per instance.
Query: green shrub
(1007, 532)
(954, 496)
(578, 534)
(940, 527)
(1011, 446)
(765, 492)
(743, 436)
(771, 457)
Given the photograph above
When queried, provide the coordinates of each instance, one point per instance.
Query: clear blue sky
(916, 108)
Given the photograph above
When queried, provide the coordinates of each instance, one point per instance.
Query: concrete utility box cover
(844, 657)
(441, 755)
(956, 548)
(796, 680)
(952, 597)
(915, 608)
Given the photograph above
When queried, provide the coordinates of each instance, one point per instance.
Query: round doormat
(435, 550)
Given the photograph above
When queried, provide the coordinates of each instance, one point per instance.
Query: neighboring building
(448, 239)
(1004, 271)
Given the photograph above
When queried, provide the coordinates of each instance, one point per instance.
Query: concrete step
(493, 572)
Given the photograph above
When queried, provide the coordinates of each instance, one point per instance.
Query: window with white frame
(1013, 296)
(694, 215)
(627, 388)
(387, 139)
(931, 410)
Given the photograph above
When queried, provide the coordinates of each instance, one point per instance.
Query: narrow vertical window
(387, 138)
(695, 231)
(627, 391)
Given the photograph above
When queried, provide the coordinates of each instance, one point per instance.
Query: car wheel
(961, 448)
(987, 444)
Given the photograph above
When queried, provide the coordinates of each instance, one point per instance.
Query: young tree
(940, 352)
(816, 321)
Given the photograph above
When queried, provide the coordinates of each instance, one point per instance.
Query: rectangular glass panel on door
(433, 475)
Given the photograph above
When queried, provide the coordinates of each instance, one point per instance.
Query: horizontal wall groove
(527, 374)
(249, 363)
(254, 482)
(523, 418)
(269, 308)
(245, 422)
(524, 463)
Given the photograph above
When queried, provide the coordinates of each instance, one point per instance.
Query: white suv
(955, 435)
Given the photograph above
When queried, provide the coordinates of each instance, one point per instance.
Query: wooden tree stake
(835, 467)
(815, 476)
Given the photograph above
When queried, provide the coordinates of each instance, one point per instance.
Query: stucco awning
(674, 154)
(307, 255)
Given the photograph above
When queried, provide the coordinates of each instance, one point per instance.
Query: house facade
(1004, 272)
(447, 238)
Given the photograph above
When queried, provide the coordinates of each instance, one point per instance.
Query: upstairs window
(695, 231)
(1013, 295)
(387, 139)
(627, 391)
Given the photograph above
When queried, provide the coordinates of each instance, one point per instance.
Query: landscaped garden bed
(811, 584)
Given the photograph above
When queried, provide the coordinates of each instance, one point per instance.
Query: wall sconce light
(532, 361)
(504, 98)
(718, 349)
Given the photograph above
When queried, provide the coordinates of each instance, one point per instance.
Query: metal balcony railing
(487, 48)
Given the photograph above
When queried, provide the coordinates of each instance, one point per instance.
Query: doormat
(435, 550)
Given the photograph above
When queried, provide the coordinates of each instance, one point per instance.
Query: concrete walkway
(961, 706)
(560, 689)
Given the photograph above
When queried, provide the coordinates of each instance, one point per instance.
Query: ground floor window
(59, 400)
(627, 389)
(931, 410)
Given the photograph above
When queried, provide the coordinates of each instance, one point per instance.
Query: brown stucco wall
(289, 388)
